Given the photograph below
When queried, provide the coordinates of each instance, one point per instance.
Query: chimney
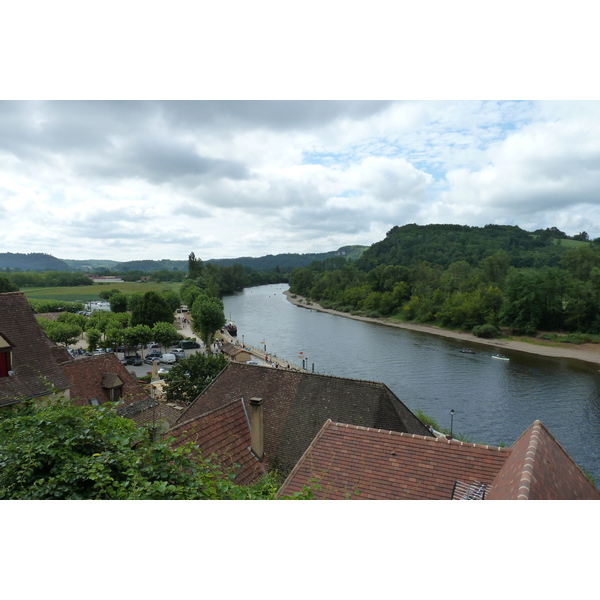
(256, 426)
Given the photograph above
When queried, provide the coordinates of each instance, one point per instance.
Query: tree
(207, 317)
(113, 338)
(190, 376)
(171, 298)
(60, 333)
(6, 285)
(59, 451)
(118, 303)
(189, 293)
(138, 335)
(93, 337)
(108, 294)
(152, 309)
(195, 267)
(165, 334)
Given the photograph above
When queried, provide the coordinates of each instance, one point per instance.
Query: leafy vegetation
(469, 278)
(58, 451)
(191, 376)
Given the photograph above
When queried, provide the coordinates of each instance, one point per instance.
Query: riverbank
(589, 353)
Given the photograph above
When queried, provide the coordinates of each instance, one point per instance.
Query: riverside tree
(207, 317)
(151, 310)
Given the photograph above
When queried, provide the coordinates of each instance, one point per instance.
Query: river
(494, 401)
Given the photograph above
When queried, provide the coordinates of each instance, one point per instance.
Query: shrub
(485, 331)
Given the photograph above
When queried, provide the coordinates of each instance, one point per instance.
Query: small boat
(231, 329)
(500, 357)
(466, 351)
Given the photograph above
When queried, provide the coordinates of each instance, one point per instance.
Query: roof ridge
(524, 489)
(207, 413)
(304, 373)
(439, 440)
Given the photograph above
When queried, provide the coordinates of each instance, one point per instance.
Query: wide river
(494, 401)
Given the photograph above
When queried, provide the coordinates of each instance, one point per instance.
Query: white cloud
(158, 180)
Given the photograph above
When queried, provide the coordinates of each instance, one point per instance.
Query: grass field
(89, 293)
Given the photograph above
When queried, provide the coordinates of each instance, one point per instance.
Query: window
(4, 363)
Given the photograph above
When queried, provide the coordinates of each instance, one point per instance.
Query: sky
(294, 127)
(127, 180)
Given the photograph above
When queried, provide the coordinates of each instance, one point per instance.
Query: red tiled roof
(225, 433)
(539, 469)
(89, 374)
(297, 404)
(33, 363)
(345, 459)
(353, 462)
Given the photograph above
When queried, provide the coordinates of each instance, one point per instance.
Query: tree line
(475, 279)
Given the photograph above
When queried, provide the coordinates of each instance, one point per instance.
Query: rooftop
(225, 433)
(296, 404)
(347, 461)
(34, 367)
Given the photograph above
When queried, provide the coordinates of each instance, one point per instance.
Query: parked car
(152, 345)
(168, 359)
(136, 361)
(178, 352)
(151, 359)
(251, 362)
(189, 344)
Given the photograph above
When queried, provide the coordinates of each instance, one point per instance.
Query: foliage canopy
(60, 451)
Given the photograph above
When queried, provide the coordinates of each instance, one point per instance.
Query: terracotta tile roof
(539, 469)
(93, 376)
(33, 363)
(225, 433)
(388, 465)
(297, 404)
(60, 353)
(158, 414)
(235, 352)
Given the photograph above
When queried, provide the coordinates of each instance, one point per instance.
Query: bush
(485, 331)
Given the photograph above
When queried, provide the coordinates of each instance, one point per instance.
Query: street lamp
(451, 421)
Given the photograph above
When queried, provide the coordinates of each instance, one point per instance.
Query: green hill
(444, 244)
(34, 261)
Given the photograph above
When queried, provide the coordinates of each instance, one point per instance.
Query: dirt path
(589, 353)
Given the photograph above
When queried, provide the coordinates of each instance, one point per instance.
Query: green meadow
(90, 293)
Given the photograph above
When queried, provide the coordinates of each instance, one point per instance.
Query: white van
(168, 359)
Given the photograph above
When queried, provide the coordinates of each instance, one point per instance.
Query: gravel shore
(589, 353)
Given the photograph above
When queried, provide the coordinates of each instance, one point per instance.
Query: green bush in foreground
(60, 451)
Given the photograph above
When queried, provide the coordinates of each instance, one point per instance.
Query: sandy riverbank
(589, 353)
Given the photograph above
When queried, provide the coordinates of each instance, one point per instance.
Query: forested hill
(34, 261)
(445, 244)
(282, 262)
(287, 262)
(470, 278)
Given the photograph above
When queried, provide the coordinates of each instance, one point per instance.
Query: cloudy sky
(132, 180)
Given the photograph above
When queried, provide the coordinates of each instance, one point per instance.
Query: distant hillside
(283, 262)
(90, 264)
(150, 266)
(287, 262)
(34, 261)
